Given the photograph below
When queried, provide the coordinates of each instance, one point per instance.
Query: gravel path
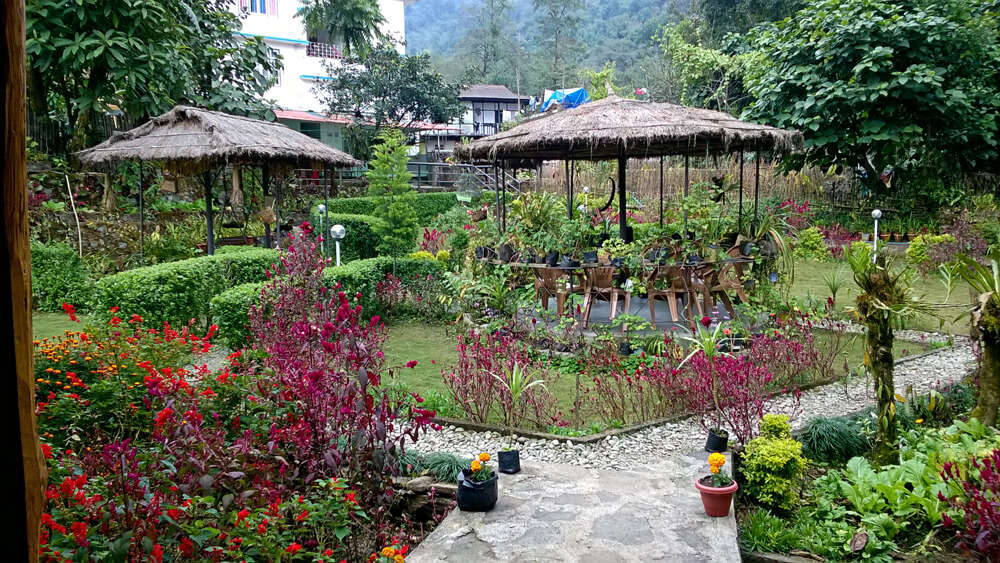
(652, 444)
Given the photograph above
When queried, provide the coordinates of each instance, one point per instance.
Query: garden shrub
(361, 240)
(623, 391)
(977, 507)
(772, 463)
(834, 439)
(58, 276)
(177, 292)
(427, 206)
(917, 253)
(230, 308)
(810, 244)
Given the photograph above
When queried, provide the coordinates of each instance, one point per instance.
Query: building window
(258, 6)
(310, 129)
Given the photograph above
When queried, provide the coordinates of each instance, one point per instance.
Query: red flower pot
(717, 500)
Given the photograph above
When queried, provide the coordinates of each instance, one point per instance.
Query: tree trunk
(878, 347)
(989, 366)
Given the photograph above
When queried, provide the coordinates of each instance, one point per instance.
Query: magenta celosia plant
(732, 392)
(628, 392)
(329, 366)
(481, 396)
(434, 240)
(978, 505)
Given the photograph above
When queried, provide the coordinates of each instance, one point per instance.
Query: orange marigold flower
(388, 552)
(484, 457)
(476, 466)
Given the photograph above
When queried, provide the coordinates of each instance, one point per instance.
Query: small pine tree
(389, 181)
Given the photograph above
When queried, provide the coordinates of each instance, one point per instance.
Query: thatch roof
(193, 136)
(596, 130)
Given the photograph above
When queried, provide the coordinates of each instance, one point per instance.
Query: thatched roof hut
(192, 140)
(191, 136)
(600, 130)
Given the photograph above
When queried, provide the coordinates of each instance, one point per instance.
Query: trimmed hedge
(58, 276)
(427, 206)
(361, 240)
(177, 292)
(230, 309)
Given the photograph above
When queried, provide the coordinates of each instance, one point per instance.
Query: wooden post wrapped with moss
(986, 330)
(885, 299)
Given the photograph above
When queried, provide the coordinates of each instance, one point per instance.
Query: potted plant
(716, 488)
(518, 380)
(710, 343)
(477, 486)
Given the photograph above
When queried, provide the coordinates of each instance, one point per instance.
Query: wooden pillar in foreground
(22, 493)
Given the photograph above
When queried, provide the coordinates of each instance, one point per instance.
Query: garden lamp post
(586, 192)
(876, 215)
(321, 209)
(337, 233)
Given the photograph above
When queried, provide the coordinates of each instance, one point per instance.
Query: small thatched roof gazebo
(198, 141)
(617, 128)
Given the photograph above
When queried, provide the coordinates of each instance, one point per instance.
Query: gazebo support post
(264, 181)
(327, 180)
(208, 179)
(142, 216)
(503, 198)
(739, 220)
(756, 189)
(687, 191)
(661, 190)
(496, 186)
(623, 230)
(277, 210)
(569, 191)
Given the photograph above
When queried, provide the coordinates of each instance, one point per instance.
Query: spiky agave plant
(885, 301)
(517, 382)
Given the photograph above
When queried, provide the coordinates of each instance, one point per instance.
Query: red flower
(70, 311)
(187, 547)
(302, 516)
(706, 321)
(293, 548)
(113, 310)
(79, 533)
(157, 554)
(411, 364)
(47, 451)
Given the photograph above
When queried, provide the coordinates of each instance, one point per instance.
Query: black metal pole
(326, 211)
(503, 187)
(209, 179)
(277, 210)
(739, 220)
(623, 230)
(687, 191)
(661, 190)
(264, 181)
(496, 186)
(756, 189)
(569, 191)
(142, 222)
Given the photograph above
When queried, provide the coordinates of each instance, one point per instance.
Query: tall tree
(882, 83)
(487, 41)
(557, 23)
(389, 184)
(142, 57)
(722, 17)
(389, 89)
(355, 24)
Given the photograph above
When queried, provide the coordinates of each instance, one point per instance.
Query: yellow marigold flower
(399, 558)
(388, 552)
(476, 466)
(714, 469)
(484, 457)
(919, 421)
(716, 460)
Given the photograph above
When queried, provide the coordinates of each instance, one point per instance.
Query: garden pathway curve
(565, 513)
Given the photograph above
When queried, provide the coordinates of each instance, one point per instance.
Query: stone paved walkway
(566, 513)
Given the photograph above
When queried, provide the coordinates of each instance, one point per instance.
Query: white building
(305, 58)
(487, 108)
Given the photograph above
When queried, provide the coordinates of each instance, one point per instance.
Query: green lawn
(430, 345)
(809, 282)
(47, 325)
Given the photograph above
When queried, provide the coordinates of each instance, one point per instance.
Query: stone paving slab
(567, 513)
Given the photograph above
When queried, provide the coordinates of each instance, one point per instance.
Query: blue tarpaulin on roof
(568, 98)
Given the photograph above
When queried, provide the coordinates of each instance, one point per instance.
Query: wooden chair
(548, 284)
(599, 283)
(718, 280)
(675, 289)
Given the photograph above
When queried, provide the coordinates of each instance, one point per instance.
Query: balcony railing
(323, 50)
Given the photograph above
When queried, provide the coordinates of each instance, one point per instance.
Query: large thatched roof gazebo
(618, 129)
(198, 141)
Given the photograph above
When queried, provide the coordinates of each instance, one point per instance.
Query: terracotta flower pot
(716, 500)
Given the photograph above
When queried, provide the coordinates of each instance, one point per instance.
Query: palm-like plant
(355, 23)
(517, 381)
(708, 342)
(885, 301)
(985, 329)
